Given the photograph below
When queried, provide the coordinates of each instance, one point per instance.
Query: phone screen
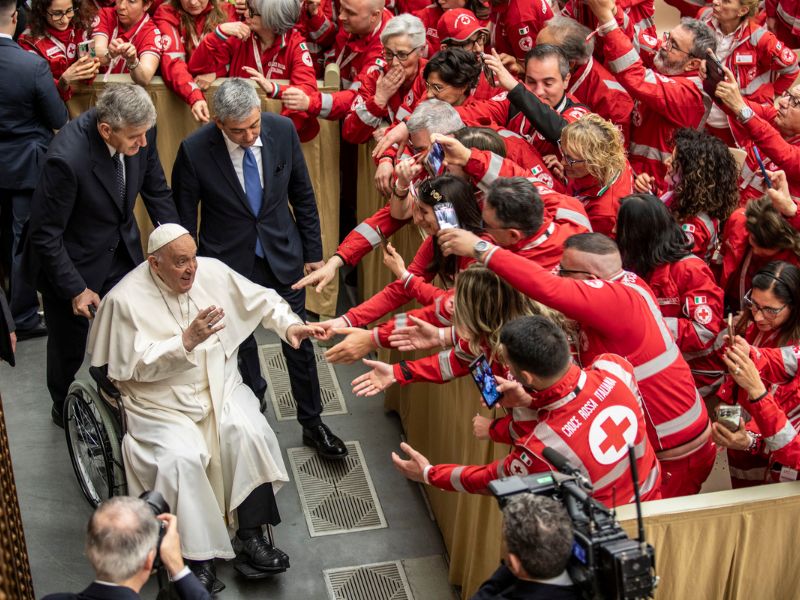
(445, 215)
(482, 374)
(86, 48)
(435, 159)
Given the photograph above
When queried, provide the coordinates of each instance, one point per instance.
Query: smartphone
(446, 215)
(729, 416)
(434, 161)
(482, 374)
(384, 241)
(767, 180)
(731, 332)
(86, 48)
(488, 73)
(714, 74)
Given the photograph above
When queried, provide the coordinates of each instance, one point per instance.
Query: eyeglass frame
(570, 161)
(668, 40)
(452, 43)
(770, 312)
(794, 101)
(437, 88)
(60, 14)
(397, 54)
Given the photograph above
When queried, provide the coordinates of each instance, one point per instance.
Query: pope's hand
(457, 241)
(206, 322)
(297, 333)
(356, 345)
(414, 468)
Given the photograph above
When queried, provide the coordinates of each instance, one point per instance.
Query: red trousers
(684, 476)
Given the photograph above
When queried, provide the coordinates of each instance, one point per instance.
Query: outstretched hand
(379, 378)
(296, 333)
(207, 322)
(413, 468)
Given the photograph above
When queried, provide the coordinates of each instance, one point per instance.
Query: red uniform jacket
(319, 31)
(663, 104)
(594, 85)
(602, 202)
(287, 58)
(430, 16)
(144, 35)
(590, 417)
(674, 411)
(702, 231)
(787, 16)
(58, 48)
(178, 46)
(516, 23)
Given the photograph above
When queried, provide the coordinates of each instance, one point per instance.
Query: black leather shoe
(327, 445)
(205, 571)
(57, 414)
(261, 555)
(38, 330)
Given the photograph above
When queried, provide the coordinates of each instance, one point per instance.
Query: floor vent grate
(380, 581)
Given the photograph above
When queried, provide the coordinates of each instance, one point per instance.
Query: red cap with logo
(459, 24)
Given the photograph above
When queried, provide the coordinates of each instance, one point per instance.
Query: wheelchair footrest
(245, 569)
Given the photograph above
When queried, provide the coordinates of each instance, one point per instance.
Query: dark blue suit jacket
(77, 218)
(30, 109)
(188, 588)
(204, 174)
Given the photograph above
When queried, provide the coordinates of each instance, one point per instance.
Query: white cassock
(195, 432)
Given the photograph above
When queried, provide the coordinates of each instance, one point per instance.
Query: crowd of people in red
(561, 160)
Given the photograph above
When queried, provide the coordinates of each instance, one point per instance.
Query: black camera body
(605, 564)
(155, 501)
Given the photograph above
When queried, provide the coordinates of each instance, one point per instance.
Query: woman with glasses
(183, 23)
(55, 27)
(652, 245)
(767, 333)
(597, 171)
(390, 93)
(266, 48)
(754, 236)
(430, 16)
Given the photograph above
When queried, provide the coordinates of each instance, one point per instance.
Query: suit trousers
(67, 333)
(23, 301)
(301, 363)
(259, 508)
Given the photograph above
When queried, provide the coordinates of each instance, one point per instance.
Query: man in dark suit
(245, 170)
(83, 237)
(122, 545)
(30, 109)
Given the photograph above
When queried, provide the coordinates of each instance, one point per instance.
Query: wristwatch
(745, 114)
(479, 248)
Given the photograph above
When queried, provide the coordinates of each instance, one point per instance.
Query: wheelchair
(94, 424)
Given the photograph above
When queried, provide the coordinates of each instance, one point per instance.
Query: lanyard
(113, 64)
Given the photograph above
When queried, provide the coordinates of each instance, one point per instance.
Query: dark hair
(536, 345)
(456, 67)
(708, 176)
(769, 228)
(648, 235)
(783, 280)
(517, 204)
(543, 51)
(592, 243)
(459, 193)
(482, 138)
(37, 16)
(538, 530)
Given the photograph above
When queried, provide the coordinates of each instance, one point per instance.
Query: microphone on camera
(560, 462)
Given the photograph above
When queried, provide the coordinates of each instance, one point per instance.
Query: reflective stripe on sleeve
(789, 361)
(326, 104)
(444, 365)
(492, 173)
(649, 152)
(683, 421)
(455, 479)
(780, 439)
(624, 61)
(566, 214)
(367, 117)
(369, 233)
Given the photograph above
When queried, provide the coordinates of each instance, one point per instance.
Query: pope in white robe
(169, 333)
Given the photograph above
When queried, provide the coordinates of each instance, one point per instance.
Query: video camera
(605, 564)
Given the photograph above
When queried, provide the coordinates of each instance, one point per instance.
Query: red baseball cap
(459, 24)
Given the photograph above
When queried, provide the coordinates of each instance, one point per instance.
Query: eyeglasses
(570, 161)
(58, 15)
(769, 312)
(670, 45)
(562, 272)
(794, 101)
(389, 56)
(482, 38)
(436, 88)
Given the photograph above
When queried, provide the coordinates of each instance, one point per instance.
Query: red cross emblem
(615, 434)
(611, 431)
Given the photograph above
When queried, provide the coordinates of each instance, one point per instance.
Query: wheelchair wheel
(94, 444)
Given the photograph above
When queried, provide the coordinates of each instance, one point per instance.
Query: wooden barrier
(175, 122)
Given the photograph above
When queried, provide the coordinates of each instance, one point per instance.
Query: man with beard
(667, 98)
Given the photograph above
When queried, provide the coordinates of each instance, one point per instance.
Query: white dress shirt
(236, 153)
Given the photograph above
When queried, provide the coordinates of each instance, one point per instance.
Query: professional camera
(155, 501)
(605, 564)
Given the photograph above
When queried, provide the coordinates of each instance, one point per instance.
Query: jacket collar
(562, 392)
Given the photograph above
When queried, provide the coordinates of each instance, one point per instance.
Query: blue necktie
(253, 189)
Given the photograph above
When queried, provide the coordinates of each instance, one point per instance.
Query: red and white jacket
(663, 104)
(602, 201)
(178, 46)
(780, 442)
(590, 417)
(319, 31)
(58, 48)
(515, 25)
(367, 116)
(702, 231)
(594, 85)
(635, 17)
(787, 20)
(430, 16)
(674, 411)
(287, 58)
(144, 35)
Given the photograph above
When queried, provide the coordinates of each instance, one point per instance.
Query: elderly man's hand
(82, 302)
(457, 241)
(355, 346)
(207, 322)
(297, 333)
(170, 548)
(728, 91)
(414, 468)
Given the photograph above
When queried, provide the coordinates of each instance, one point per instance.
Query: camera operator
(122, 541)
(537, 544)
